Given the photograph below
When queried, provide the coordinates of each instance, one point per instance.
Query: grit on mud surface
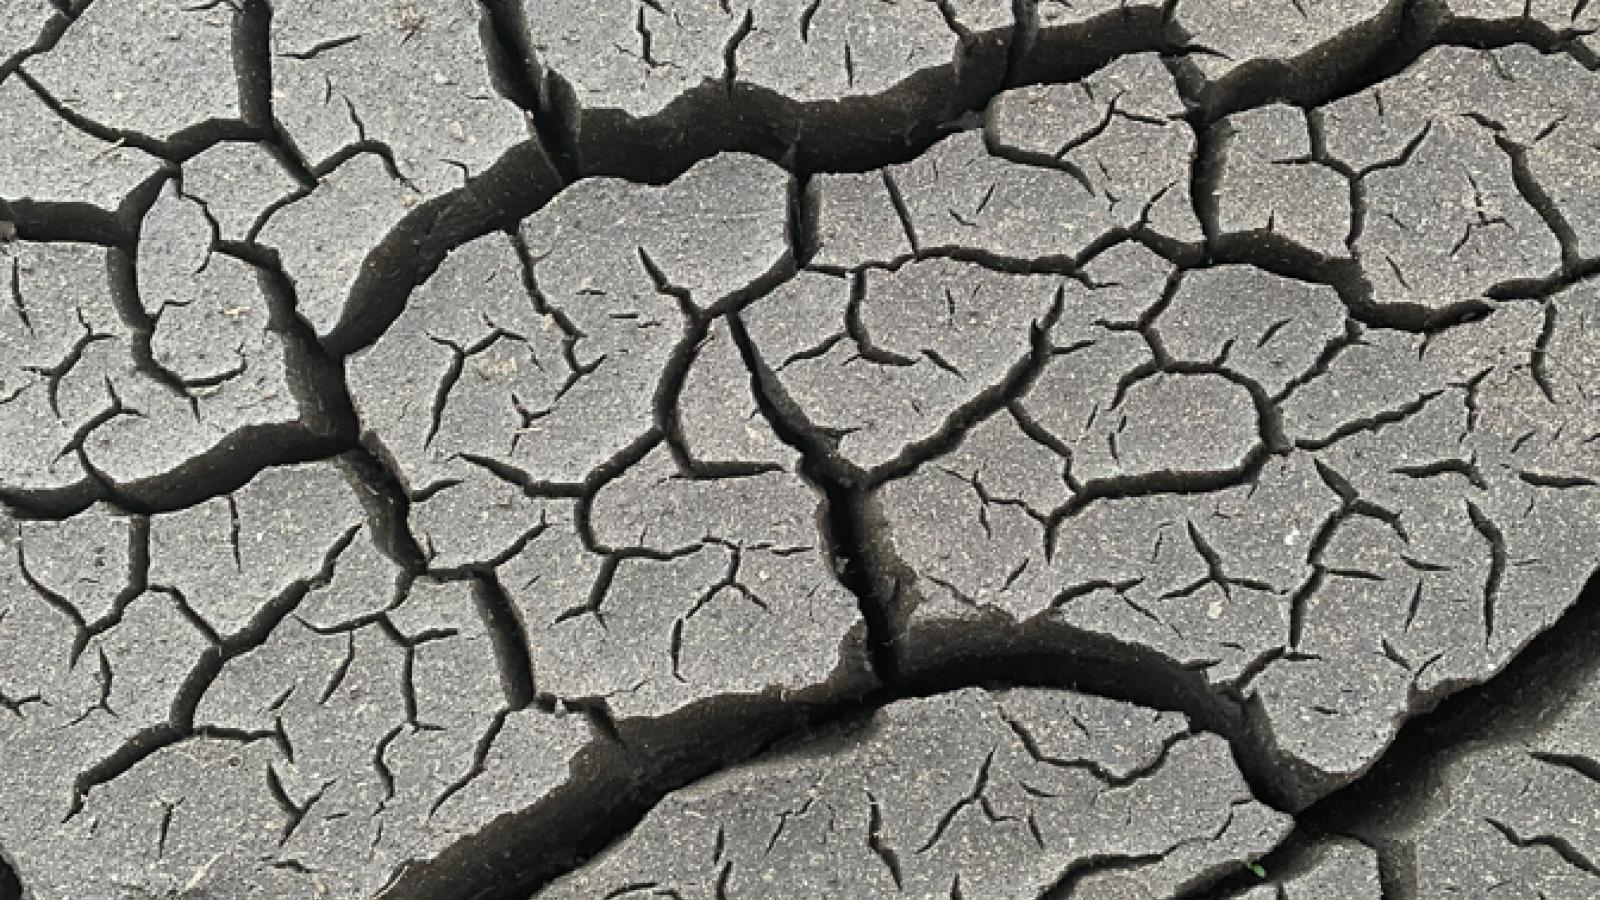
(536, 449)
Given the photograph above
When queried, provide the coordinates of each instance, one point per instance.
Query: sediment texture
(753, 448)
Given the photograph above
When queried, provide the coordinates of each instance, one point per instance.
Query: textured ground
(495, 449)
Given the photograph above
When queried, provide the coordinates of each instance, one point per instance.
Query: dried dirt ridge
(799, 448)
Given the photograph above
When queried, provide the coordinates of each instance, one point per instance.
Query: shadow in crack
(10, 887)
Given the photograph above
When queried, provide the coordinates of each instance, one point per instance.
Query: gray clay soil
(725, 449)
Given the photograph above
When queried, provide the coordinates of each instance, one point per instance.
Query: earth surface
(536, 449)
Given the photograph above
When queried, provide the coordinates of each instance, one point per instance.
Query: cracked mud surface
(751, 448)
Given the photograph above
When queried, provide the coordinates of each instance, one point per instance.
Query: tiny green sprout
(1257, 870)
